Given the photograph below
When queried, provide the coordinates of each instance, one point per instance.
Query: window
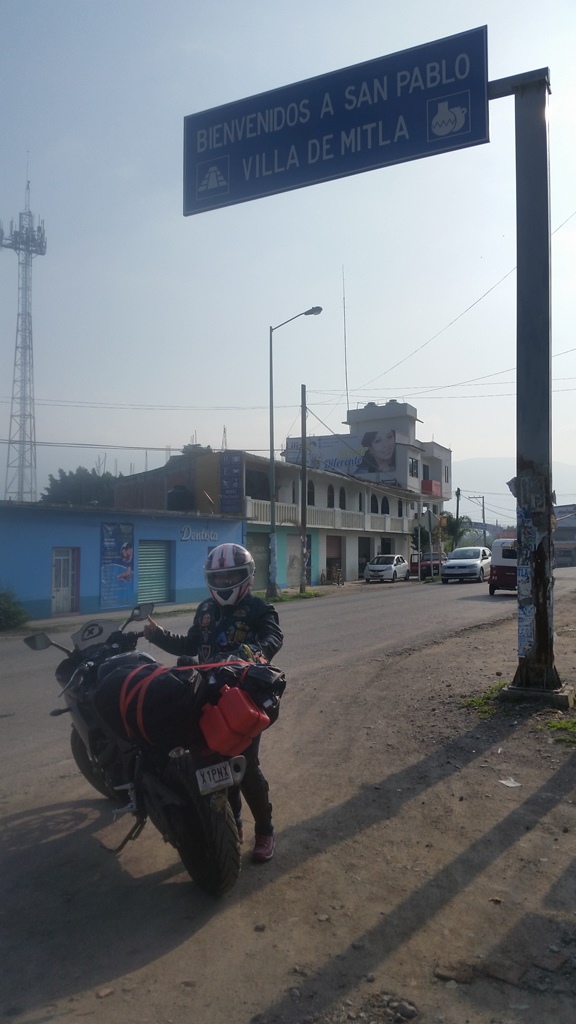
(257, 485)
(400, 508)
(413, 468)
(509, 553)
(425, 471)
(374, 503)
(385, 506)
(360, 502)
(342, 498)
(330, 499)
(446, 474)
(311, 495)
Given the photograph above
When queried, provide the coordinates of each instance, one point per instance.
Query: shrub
(12, 612)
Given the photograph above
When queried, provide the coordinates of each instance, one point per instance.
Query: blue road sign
(408, 105)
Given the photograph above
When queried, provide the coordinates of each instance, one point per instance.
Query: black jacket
(216, 630)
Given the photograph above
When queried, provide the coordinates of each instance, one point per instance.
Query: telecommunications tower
(28, 242)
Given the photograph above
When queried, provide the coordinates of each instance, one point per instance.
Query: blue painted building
(59, 561)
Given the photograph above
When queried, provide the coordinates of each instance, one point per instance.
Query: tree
(424, 539)
(81, 487)
(453, 530)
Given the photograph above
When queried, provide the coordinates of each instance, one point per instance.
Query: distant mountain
(487, 478)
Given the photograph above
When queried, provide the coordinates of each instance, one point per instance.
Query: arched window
(385, 507)
(374, 504)
(342, 498)
(330, 499)
(311, 495)
(360, 502)
(400, 508)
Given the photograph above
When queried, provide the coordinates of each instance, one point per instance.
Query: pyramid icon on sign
(213, 179)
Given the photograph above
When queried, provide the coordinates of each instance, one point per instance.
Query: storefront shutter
(258, 546)
(153, 571)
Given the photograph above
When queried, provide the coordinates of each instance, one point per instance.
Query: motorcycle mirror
(142, 611)
(139, 613)
(38, 642)
(41, 641)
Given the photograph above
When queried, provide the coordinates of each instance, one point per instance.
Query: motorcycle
(164, 743)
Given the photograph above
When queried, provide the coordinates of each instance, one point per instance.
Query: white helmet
(229, 572)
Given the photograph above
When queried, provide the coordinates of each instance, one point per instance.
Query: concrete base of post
(562, 698)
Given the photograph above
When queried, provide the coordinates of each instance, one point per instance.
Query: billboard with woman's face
(371, 455)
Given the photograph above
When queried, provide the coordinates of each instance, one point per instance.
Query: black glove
(116, 639)
(131, 640)
(125, 641)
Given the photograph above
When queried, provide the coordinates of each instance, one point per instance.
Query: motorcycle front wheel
(204, 834)
(91, 773)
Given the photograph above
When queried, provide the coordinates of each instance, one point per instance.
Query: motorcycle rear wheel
(92, 774)
(206, 838)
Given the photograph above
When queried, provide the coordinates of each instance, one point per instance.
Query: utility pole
(303, 492)
(480, 497)
(419, 545)
(457, 516)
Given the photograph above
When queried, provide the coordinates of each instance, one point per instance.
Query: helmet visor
(223, 579)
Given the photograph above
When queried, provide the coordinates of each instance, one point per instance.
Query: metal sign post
(536, 673)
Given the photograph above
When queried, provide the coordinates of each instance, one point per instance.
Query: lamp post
(272, 590)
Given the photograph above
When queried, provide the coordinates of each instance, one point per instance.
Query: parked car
(467, 564)
(386, 567)
(503, 568)
(437, 560)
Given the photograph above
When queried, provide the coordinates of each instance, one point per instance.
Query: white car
(467, 564)
(386, 567)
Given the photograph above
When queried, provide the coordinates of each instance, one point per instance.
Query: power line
(460, 315)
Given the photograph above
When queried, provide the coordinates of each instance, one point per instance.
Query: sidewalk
(72, 621)
(69, 622)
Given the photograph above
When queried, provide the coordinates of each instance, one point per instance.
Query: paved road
(353, 624)
(369, 620)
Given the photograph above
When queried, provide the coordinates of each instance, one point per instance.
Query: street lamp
(272, 590)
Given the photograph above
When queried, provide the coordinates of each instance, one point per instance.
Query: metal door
(63, 580)
(294, 560)
(258, 546)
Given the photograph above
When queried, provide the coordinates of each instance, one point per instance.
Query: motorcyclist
(230, 618)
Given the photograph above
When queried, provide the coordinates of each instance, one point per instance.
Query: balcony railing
(258, 511)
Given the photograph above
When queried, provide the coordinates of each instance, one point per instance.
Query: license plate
(214, 777)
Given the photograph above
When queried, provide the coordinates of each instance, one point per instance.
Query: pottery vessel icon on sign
(448, 120)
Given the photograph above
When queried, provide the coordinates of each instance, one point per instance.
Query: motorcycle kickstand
(129, 807)
(133, 834)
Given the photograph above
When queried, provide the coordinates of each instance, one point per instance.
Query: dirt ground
(451, 896)
(426, 867)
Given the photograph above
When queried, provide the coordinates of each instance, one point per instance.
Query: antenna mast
(27, 241)
(345, 348)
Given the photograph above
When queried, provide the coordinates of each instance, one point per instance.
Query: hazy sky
(151, 329)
